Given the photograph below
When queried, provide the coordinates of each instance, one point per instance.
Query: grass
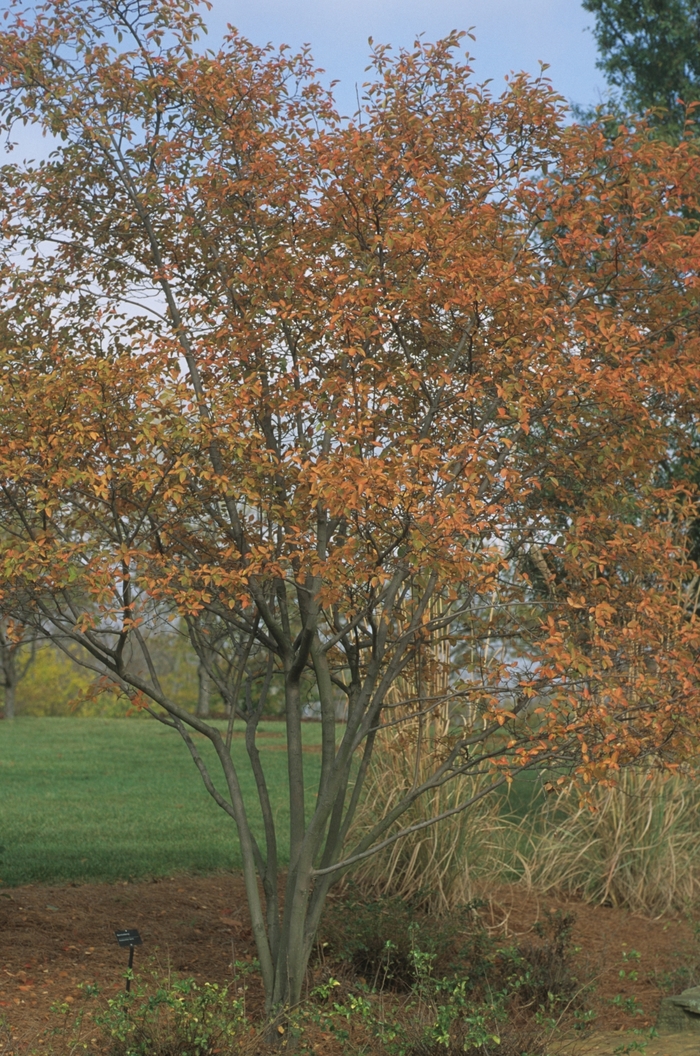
(113, 799)
(109, 799)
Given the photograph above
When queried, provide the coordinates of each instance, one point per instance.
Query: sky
(510, 35)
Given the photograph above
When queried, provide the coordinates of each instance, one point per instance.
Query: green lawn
(111, 799)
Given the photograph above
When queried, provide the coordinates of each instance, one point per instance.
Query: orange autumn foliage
(355, 399)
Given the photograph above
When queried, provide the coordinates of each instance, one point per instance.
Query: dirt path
(56, 938)
(609, 1044)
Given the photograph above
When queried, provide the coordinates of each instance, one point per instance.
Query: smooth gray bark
(204, 692)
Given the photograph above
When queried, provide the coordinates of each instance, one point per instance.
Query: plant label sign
(129, 937)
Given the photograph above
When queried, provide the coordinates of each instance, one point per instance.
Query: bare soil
(56, 938)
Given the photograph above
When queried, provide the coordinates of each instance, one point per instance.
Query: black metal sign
(129, 937)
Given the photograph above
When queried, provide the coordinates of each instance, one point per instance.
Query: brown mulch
(56, 938)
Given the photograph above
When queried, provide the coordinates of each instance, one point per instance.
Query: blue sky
(510, 35)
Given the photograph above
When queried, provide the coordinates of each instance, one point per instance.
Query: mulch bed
(56, 938)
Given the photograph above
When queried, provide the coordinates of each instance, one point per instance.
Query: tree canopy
(650, 50)
(374, 406)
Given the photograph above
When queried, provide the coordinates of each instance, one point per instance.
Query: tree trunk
(204, 695)
(9, 709)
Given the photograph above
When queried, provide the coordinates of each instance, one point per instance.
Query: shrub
(390, 944)
(177, 1018)
(378, 937)
(496, 999)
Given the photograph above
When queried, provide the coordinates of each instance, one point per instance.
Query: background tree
(650, 50)
(328, 392)
(17, 652)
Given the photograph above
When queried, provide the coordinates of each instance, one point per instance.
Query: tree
(371, 406)
(650, 50)
(17, 651)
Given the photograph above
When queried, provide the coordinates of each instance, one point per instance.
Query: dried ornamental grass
(441, 866)
(634, 845)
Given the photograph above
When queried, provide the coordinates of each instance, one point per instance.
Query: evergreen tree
(650, 51)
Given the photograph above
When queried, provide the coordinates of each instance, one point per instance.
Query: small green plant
(176, 1018)
(638, 1043)
(630, 957)
(584, 1018)
(461, 992)
(437, 1017)
(629, 973)
(471, 1025)
(460, 976)
(323, 991)
(629, 1005)
(500, 1001)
